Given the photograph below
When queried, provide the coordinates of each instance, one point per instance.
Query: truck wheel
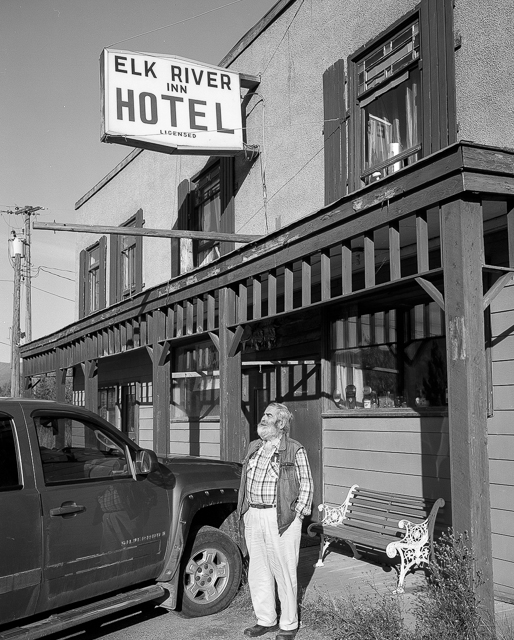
(211, 574)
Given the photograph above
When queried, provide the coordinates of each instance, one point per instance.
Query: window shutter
(114, 275)
(139, 252)
(82, 284)
(179, 245)
(227, 202)
(438, 86)
(102, 270)
(334, 113)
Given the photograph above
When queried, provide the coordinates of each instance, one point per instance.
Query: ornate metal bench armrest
(336, 515)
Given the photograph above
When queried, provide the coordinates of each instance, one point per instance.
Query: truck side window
(75, 450)
(9, 475)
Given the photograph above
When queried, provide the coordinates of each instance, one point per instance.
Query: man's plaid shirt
(262, 476)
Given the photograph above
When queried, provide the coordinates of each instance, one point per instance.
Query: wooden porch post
(233, 432)
(463, 254)
(90, 369)
(60, 377)
(161, 374)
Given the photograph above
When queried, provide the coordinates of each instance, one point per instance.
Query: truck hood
(202, 473)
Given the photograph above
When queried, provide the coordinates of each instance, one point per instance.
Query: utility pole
(16, 252)
(27, 212)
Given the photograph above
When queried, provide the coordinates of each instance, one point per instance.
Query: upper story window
(205, 203)
(92, 278)
(126, 262)
(207, 216)
(401, 92)
(389, 99)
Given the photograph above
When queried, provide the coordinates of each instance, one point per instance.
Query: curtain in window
(392, 123)
(209, 250)
(347, 371)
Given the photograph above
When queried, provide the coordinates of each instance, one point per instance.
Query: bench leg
(356, 554)
(409, 559)
(323, 546)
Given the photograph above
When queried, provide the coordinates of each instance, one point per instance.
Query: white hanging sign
(170, 104)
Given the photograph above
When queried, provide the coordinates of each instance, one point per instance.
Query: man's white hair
(283, 414)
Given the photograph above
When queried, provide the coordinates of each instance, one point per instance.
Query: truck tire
(211, 573)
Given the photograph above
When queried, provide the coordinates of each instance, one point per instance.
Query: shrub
(448, 607)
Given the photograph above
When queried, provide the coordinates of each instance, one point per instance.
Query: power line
(54, 294)
(173, 24)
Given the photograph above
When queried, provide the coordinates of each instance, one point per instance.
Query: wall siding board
(502, 497)
(501, 520)
(502, 321)
(503, 371)
(501, 447)
(503, 547)
(503, 397)
(429, 424)
(411, 443)
(404, 463)
(502, 422)
(501, 471)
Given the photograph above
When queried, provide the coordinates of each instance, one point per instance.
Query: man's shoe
(286, 635)
(259, 630)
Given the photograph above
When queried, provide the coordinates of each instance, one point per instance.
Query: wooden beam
(462, 241)
(142, 231)
(161, 371)
(432, 291)
(233, 434)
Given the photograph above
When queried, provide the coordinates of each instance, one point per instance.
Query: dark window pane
(9, 476)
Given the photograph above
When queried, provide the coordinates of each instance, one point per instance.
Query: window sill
(393, 412)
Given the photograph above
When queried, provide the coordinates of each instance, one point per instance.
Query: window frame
(400, 333)
(437, 93)
(85, 298)
(182, 249)
(117, 289)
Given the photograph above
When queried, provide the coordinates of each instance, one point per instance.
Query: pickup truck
(91, 523)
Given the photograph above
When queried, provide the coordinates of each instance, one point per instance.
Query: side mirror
(146, 462)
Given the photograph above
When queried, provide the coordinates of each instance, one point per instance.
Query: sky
(50, 149)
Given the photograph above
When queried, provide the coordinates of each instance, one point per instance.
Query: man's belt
(263, 506)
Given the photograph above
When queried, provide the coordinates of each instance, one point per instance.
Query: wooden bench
(381, 521)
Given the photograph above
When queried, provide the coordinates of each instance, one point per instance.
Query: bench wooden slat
(392, 514)
(403, 499)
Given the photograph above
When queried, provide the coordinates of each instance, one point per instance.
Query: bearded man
(275, 495)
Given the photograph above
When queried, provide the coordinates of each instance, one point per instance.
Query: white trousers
(273, 559)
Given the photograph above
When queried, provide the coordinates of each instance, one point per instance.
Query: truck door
(103, 529)
(20, 523)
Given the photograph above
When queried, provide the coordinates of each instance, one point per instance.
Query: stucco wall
(484, 71)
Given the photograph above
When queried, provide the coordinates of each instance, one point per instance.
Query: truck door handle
(69, 509)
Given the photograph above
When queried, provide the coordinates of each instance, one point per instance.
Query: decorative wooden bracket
(236, 340)
(234, 343)
(215, 339)
(497, 287)
(164, 354)
(432, 291)
(90, 368)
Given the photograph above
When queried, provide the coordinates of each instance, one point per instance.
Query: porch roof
(189, 303)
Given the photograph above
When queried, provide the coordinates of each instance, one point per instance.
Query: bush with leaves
(447, 607)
